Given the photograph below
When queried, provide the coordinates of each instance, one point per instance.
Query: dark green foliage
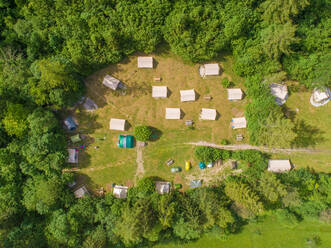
(225, 142)
(207, 154)
(47, 47)
(142, 133)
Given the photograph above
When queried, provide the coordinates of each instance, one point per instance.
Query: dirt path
(140, 164)
(260, 148)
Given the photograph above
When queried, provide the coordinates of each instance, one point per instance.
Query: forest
(47, 47)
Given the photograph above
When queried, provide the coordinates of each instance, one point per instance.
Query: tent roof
(279, 91)
(187, 95)
(80, 192)
(145, 62)
(208, 114)
(89, 104)
(239, 122)
(120, 191)
(279, 165)
(70, 123)
(195, 183)
(235, 94)
(162, 187)
(75, 138)
(111, 82)
(73, 156)
(159, 91)
(320, 94)
(173, 113)
(209, 70)
(117, 124)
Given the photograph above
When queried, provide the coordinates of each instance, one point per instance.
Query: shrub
(142, 133)
(225, 142)
(226, 83)
(207, 154)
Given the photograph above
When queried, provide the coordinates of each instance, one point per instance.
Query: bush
(226, 83)
(142, 133)
(207, 154)
(225, 142)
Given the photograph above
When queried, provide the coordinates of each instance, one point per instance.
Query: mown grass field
(270, 233)
(109, 164)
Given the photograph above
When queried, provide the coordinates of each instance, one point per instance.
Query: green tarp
(75, 138)
(125, 141)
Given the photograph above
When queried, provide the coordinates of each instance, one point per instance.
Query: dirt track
(260, 148)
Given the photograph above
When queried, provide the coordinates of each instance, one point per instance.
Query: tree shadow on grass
(156, 134)
(307, 135)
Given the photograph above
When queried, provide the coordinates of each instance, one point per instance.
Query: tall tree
(243, 197)
(281, 11)
(278, 38)
(277, 131)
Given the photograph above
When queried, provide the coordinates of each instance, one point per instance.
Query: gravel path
(140, 163)
(260, 148)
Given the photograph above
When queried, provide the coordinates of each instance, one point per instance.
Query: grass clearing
(269, 233)
(109, 164)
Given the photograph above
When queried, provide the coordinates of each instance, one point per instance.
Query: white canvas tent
(80, 192)
(73, 156)
(280, 93)
(111, 82)
(320, 96)
(279, 165)
(172, 113)
(120, 191)
(235, 94)
(117, 124)
(187, 95)
(209, 70)
(162, 187)
(239, 122)
(159, 91)
(208, 114)
(145, 62)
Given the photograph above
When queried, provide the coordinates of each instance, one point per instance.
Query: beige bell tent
(117, 124)
(320, 96)
(280, 92)
(73, 156)
(159, 92)
(162, 187)
(235, 94)
(120, 191)
(80, 192)
(111, 82)
(187, 95)
(239, 123)
(209, 70)
(145, 62)
(208, 114)
(172, 113)
(279, 165)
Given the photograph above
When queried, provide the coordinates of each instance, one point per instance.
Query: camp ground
(173, 109)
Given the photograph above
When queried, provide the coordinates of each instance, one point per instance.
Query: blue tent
(125, 141)
(70, 124)
(202, 165)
